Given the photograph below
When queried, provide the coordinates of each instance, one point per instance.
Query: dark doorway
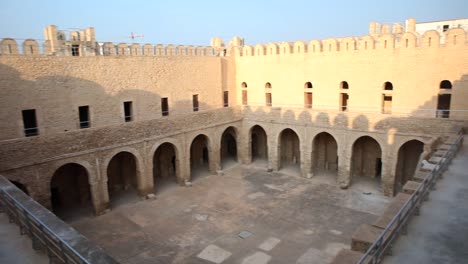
(409, 155)
(199, 157)
(325, 154)
(70, 192)
(164, 167)
(122, 179)
(228, 148)
(366, 159)
(443, 105)
(290, 156)
(258, 144)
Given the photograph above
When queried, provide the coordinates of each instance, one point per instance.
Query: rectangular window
(128, 111)
(268, 99)
(308, 100)
(344, 102)
(195, 102)
(244, 97)
(30, 123)
(443, 105)
(84, 116)
(226, 99)
(75, 49)
(445, 28)
(164, 106)
(387, 104)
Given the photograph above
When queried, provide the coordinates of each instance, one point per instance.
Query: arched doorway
(164, 167)
(408, 158)
(228, 148)
(289, 151)
(324, 154)
(258, 144)
(199, 157)
(70, 192)
(367, 158)
(122, 179)
(20, 186)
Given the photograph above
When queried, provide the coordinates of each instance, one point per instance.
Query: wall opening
(308, 85)
(307, 100)
(228, 148)
(164, 167)
(164, 106)
(75, 50)
(30, 123)
(344, 85)
(128, 111)
(268, 85)
(445, 84)
(199, 157)
(258, 144)
(367, 158)
(324, 154)
(344, 97)
(20, 186)
(226, 99)
(84, 116)
(289, 151)
(244, 85)
(443, 105)
(122, 179)
(268, 99)
(386, 104)
(70, 192)
(244, 97)
(195, 102)
(409, 155)
(388, 86)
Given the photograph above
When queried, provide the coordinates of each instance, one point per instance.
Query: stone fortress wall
(55, 83)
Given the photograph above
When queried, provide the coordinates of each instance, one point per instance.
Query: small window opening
(388, 86)
(429, 42)
(308, 85)
(344, 85)
(445, 28)
(268, 85)
(406, 43)
(164, 106)
(30, 123)
(244, 97)
(385, 44)
(387, 104)
(307, 100)
(344, 102)
(9, 49)
(244, 85)
(195, 102)
(226, 99)
(445, 84)
(268, 99)
(128, 111)
(443, 105)
(75, 50)
(31, 49)
(83, 112)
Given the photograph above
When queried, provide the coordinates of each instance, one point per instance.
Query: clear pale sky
(195, 22)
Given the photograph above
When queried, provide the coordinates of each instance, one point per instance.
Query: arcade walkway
(439, 235)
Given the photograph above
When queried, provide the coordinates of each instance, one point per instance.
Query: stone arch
(259, 50)
(258, 144)
(229, 145)
(123, 170)
(455, 36)
(430, 38)
(315, 46)
(244, 85)
(20, 186)
(324, 154)
(348, 44)
(285, 48)
(9, 46)
(409, 155)
(366, 159)
(268, 85)
(31, 47)
(388, 86)
(70, 191)
(344, 85)
(330, 45)
(300, 47)
(408, 40)
(272, 49)
(445, 84)
(166, 166)
(289, 153)
(367, 43)
(247, 51)
(308, 85)
(200, 150)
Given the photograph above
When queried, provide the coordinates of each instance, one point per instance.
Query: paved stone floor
(440, 233)
(246, 216)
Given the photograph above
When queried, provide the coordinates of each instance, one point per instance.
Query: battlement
(385, 41)
(31, 47)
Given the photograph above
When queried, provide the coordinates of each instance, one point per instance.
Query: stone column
(99, 196)
(306, 161)
(388, 172)
(344, 166)
(273, 156)
(243, 147)
(214, 158)
(145, 174)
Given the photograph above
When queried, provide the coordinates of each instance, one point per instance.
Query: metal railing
(398, 224)
(62, 243)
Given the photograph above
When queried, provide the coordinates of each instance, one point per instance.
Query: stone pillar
(243, 147)
(145, 177)
(344, 166)
(388, 173)
(214, 158)
(184, 168)
(273, 155)
(306, 161)
(99, 196)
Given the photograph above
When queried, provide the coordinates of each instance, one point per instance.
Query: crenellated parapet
(385, 40)
(31, 47)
